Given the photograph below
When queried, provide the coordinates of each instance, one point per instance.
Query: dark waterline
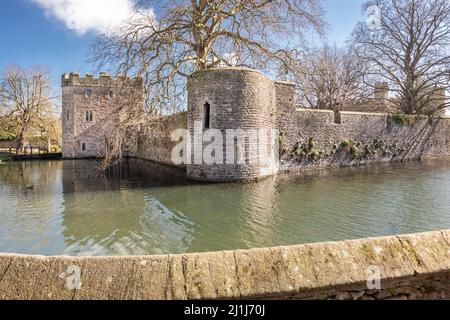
(72, 208)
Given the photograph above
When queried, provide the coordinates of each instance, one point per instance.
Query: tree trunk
(19, 141)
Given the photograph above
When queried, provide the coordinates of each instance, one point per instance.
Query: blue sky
(34, 32)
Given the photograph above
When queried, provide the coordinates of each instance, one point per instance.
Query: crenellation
(103, 80)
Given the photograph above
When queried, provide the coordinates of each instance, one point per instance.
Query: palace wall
(241, 98)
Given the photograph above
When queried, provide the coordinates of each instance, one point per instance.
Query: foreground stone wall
(411, 267)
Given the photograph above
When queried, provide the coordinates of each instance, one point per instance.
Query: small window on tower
(89, 116)
(207, 115)
(83, 146)
(88, 93)
(67, 115)
(110, 94)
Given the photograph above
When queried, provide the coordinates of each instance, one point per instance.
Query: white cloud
(81, 16)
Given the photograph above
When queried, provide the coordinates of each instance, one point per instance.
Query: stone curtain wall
(154, 140)
(321, 138)
(313, 138)
(411, 267)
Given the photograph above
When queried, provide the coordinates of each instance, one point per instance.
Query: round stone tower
(240, 104)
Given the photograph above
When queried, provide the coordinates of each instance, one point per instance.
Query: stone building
(89, 107)
(240, 100)
(244, 100)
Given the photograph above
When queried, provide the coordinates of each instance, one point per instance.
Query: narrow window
(83, 146)
(110, 94)
(88, 94)
(89, 116)
(67, 115)
(207, 115)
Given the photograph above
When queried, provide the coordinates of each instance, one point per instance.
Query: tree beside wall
(331, 77)
(185, 36)
(26, 104)
(409, 48)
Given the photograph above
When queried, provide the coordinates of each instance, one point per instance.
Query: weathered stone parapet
(103, 80)
(413, 266)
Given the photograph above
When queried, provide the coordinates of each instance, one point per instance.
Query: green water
(71, 208)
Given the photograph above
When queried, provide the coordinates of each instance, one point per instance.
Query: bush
(407, 119)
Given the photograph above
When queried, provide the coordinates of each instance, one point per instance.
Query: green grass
(3, 158)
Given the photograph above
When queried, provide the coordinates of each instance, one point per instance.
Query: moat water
(72, 208)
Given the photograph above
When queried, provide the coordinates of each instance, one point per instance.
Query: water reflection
(72, 208)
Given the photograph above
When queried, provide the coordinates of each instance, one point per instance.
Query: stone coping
(359, 113)
(298, 109)
(221, 69)
(310, 270)
(286, 83)
(314, 110)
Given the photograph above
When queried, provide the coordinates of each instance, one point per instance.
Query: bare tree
(409, 47)
(331, 77)
(185, 36)
(123, 124)
(25, 99)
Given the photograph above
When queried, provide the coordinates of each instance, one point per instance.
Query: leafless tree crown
(409, 47)
(330, 77)
(184, 36)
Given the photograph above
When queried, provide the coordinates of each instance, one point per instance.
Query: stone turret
(438, 100)
(240, 100)
(381, 91)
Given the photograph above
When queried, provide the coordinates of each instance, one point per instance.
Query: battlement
(103, 80)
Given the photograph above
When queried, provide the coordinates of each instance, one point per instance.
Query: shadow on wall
(320, 138)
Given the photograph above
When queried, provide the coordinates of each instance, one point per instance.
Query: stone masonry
(89, 106)
(409, 267)
(241, 98)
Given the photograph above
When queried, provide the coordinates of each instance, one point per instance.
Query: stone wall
(241, 98)
(337, 139)
(154, 140)
(411, 267)
(320, 138)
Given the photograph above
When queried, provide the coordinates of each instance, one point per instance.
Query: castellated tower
(241, 99)
(89, 106)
